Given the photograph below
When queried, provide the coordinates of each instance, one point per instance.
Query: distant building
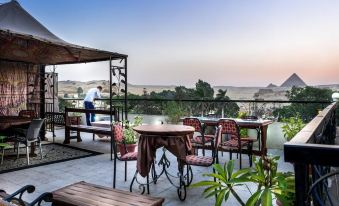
(294, 81)
(271, 85)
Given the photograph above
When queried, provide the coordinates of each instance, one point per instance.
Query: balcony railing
(194, 107)
(313, 152)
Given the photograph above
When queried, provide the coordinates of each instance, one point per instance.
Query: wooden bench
(86, 194)
(84, 128)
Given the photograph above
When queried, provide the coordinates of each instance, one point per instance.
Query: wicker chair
(234, 143)
(201, 140)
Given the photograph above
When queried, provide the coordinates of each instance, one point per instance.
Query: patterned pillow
(118, 132)
(4, 203)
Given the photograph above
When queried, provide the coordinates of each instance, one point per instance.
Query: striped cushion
(233, 143)
(198, 139)
(199, 160)
(129, 156)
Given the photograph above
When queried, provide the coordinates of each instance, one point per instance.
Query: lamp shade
(335, 96)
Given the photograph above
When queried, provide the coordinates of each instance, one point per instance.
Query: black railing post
(301, 184)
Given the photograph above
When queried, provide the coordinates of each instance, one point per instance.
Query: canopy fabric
(24, 39)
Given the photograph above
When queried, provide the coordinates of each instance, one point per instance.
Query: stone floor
(99, 170)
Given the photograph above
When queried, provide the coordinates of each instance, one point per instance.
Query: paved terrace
(99, 170)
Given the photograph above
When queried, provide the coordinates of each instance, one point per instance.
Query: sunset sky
(176, 42)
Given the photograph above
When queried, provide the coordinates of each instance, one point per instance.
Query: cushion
(233, 143)
(4, 203)
(129, 156)
(198, 139)
(199, 160)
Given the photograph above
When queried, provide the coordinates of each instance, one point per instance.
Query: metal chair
(31, 135)
(201, 139)
(128, 156)
(234, 143)
(254, 118)
(203, 161)
(16, 197)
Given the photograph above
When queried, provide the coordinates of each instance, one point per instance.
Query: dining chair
(127, 156)
(28, 136)
(203, 161)
(234, 143)
(202, 139)
(253, 118)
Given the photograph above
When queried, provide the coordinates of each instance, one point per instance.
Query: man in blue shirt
(91, 95)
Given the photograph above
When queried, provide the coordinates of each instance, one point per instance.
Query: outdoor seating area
(187, 154)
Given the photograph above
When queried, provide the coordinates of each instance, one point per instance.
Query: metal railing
(271, 109)
(313, 152)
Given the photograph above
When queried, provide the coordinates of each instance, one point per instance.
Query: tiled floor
(99, 170)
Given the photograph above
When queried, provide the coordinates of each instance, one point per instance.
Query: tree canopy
(306, 111)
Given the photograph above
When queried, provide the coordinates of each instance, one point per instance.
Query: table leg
(263, 131)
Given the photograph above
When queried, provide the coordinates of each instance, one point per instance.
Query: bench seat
(86, 194)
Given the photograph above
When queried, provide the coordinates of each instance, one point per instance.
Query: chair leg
(2, 155)
(18, 150)
(125, 171)
(93, 136)
(40, 147)
(230, 155)
(114, 171)
(240, 160)
(27, 154)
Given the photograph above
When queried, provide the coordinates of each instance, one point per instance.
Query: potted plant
(271, 184)
(130, 136)
(292, 126)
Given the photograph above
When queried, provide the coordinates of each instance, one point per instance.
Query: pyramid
(294, 81)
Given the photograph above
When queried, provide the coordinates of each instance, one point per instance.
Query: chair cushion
(199, 160)
(198, 139)
(4, 203)
(233, 143)
(129, 156)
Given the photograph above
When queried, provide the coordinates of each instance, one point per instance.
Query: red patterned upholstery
(234, 143)
(199, 160)
(28, 113)
(198, 139)
(229, 127)
(118, 132)
(193, 122)
(129, 156)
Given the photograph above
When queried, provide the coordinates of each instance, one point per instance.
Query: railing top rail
(96, 111)
(211, 100)
(301, 150)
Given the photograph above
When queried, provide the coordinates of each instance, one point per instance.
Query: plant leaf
(254, 198)
(266, 198)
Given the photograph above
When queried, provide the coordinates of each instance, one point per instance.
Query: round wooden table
(173, 138)
(8, 121)
(164, 130)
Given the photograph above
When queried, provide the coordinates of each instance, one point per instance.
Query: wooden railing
(312, 150)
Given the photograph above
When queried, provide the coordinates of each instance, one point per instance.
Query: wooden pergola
(27, 47)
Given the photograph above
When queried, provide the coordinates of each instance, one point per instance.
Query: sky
(223, 42)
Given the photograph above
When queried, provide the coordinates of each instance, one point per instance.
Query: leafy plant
(270, 183)
(174, 112)
(292, 126)
(129, 133)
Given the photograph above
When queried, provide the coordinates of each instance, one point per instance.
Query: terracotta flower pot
(129, 148)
